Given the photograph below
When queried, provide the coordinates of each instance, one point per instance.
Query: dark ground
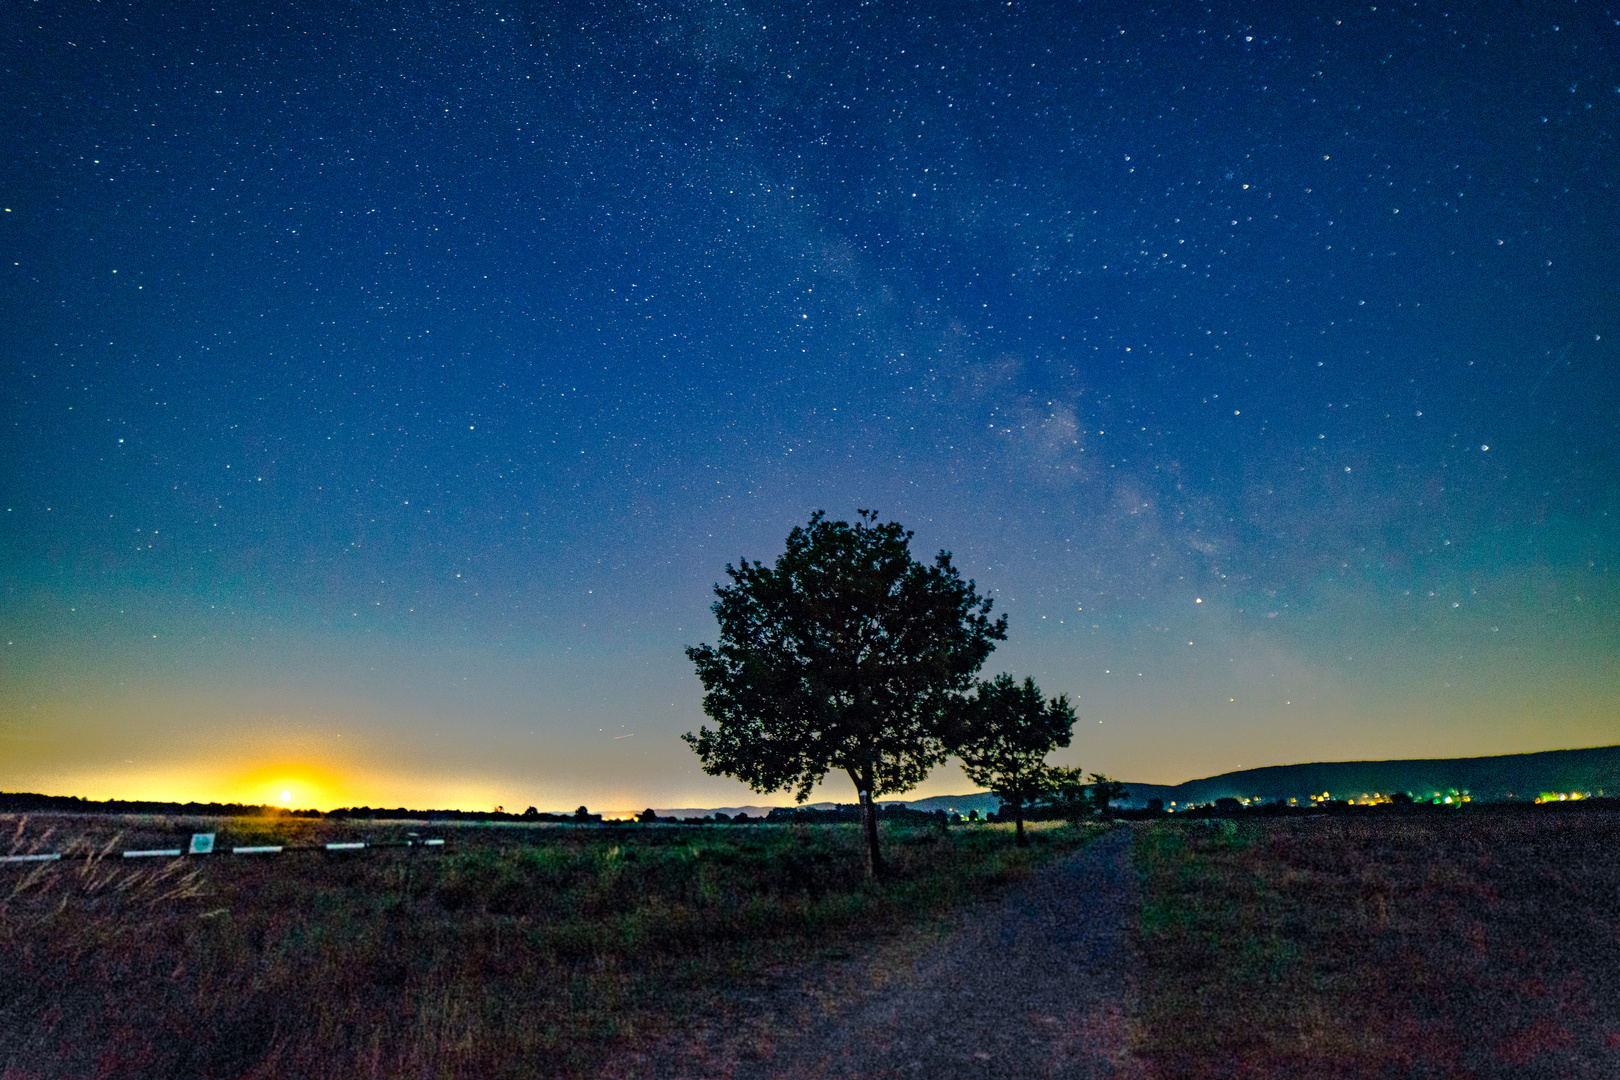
(514, 952)
(1474, 945)
(1035, 984)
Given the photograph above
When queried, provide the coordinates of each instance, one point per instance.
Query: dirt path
(1036, 984)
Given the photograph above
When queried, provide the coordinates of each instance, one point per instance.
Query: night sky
(387, 386)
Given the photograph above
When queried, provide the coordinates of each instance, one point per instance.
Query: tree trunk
(1018, 818)
(874, 858)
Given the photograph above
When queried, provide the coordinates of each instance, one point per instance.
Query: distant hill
(982, 801)
(1515, 777)
(1506, 777)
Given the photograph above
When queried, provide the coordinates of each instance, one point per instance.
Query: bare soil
(1036, 983)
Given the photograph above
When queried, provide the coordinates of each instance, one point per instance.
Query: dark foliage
(1003, 734)
(846, 655)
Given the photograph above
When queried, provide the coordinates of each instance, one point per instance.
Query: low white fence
(203, 844)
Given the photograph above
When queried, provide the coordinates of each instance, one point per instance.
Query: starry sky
(388, 385)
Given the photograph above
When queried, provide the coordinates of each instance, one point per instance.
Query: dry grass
(1470, 945)
(91, 881)
(537, 951)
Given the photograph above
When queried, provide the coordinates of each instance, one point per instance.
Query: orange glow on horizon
(294, 785)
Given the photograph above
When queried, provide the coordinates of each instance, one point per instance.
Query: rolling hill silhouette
(1506, 777)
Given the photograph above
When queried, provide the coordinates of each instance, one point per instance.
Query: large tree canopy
(846, 655)
(1003, 734)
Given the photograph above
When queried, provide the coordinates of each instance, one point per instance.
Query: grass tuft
(1351, 948)
(517, 951)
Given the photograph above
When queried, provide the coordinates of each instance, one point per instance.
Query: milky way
(387, 386)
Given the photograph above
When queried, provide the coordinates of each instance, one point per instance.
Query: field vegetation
(1477, 943)
(515, 951)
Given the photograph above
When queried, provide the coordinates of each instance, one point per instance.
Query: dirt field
(514, 952)
(1032, 983)
(1480, 944)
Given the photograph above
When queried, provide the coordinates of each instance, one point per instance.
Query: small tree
(846, 655)
(1076, 798)
(1104, 791)
(1003, 734)
(1068, 793)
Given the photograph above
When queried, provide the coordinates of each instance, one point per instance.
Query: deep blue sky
(386, 386)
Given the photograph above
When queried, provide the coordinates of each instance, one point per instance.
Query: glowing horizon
(387, 485)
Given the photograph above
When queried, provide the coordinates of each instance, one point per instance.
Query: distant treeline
(1220, 808)
(581, 816)
(1232, 808)
(895, 813)
(803, 815)
(29, 803)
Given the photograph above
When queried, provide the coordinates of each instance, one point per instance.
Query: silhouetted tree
(1003, 734)
(845, 655)
(1077, 798)
(1104, 791)
(1067, 792)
